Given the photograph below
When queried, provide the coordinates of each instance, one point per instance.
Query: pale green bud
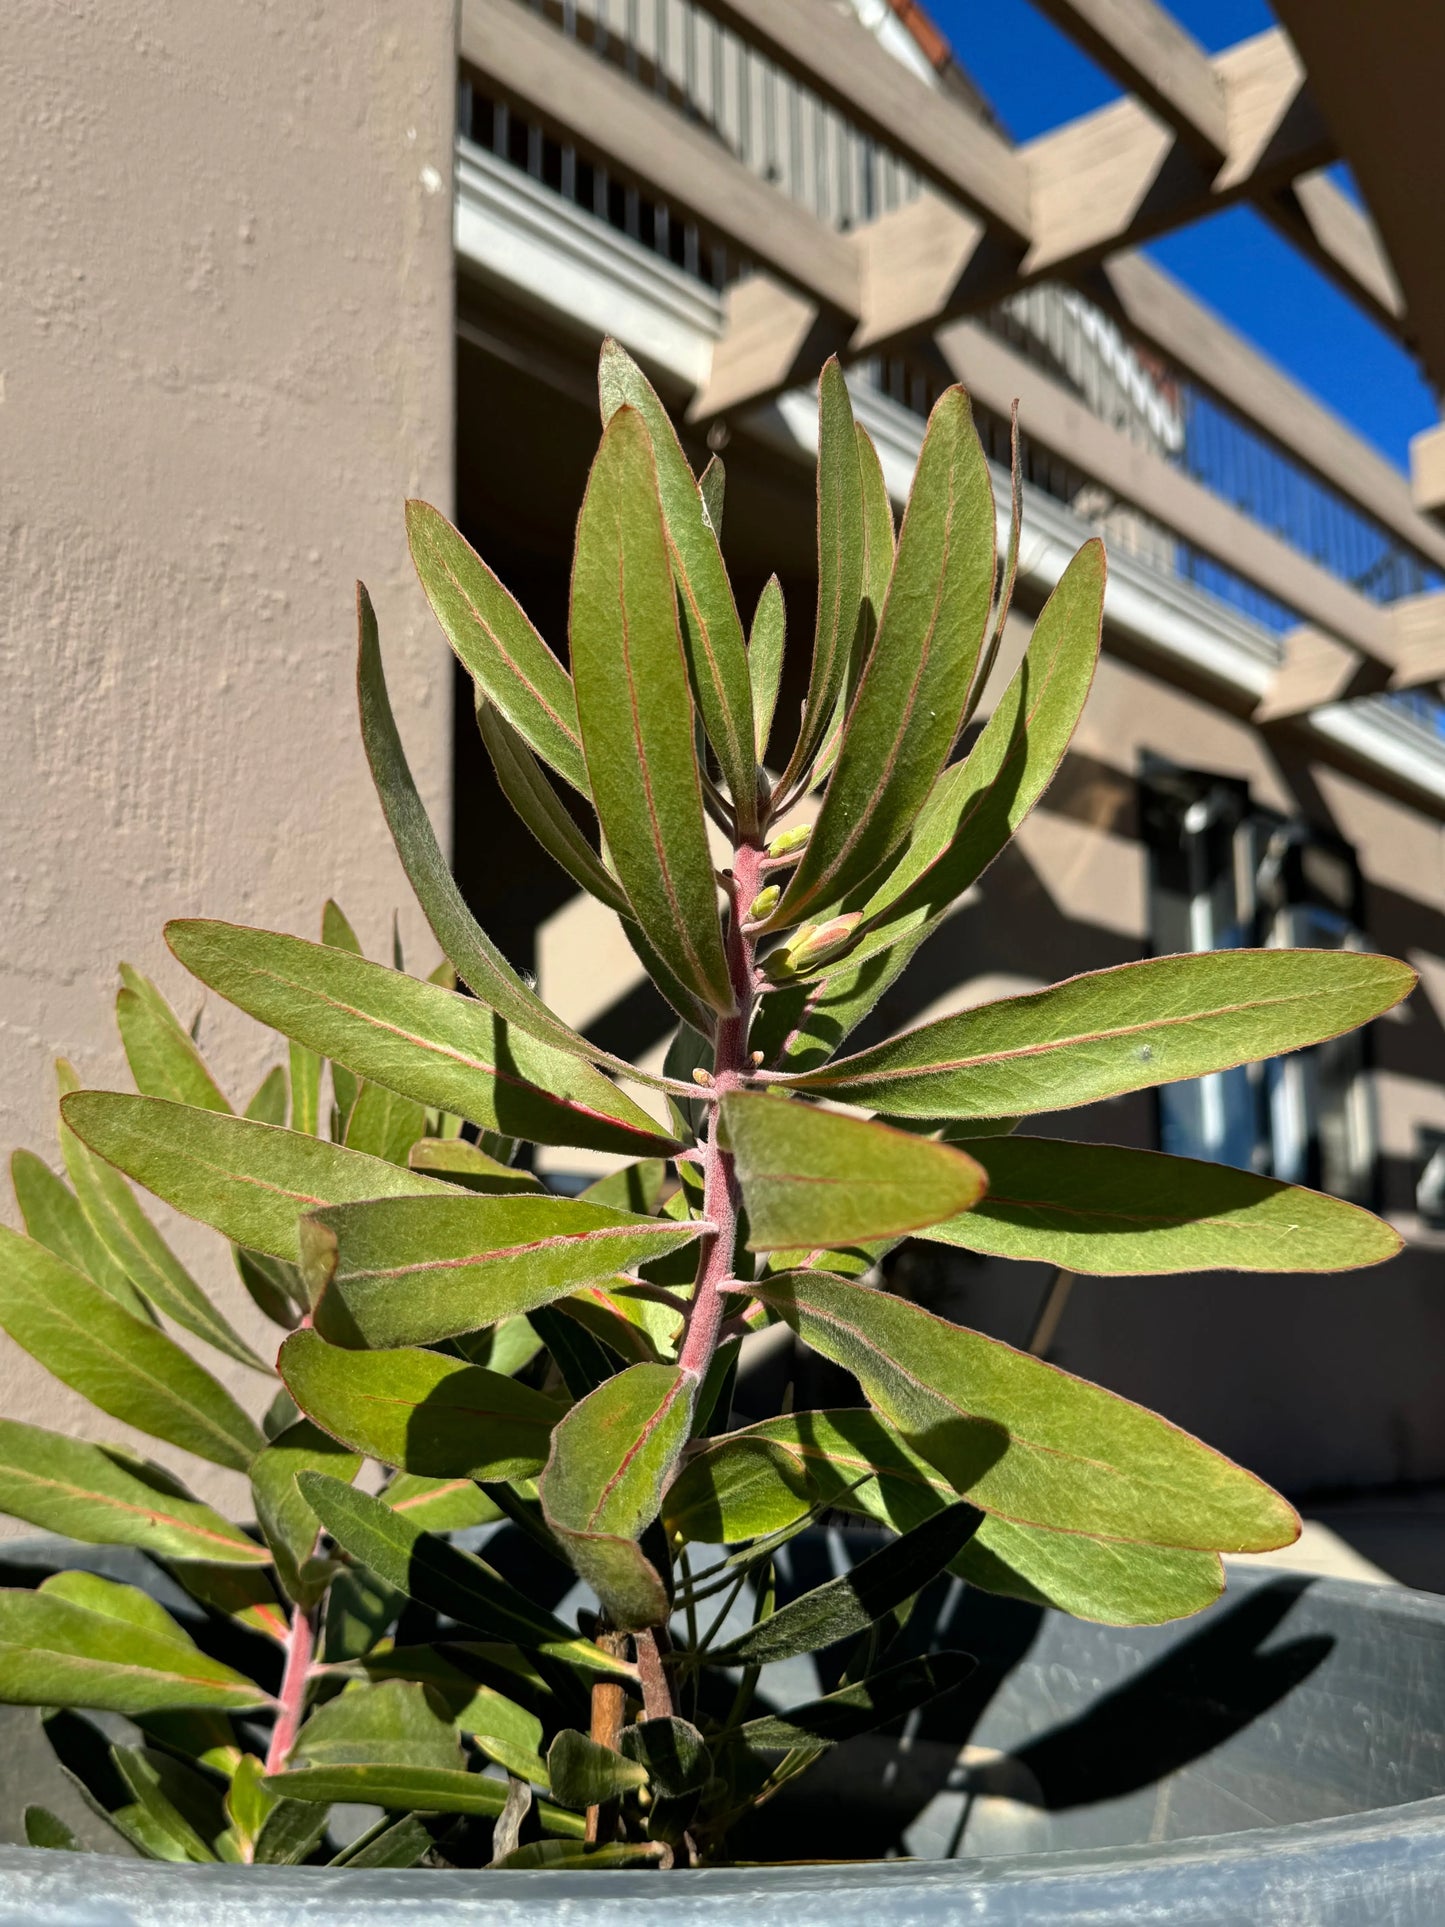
(811, 944)
(791, 841)
(764, 903)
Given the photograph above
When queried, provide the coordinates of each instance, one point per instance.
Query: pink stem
(300, 1644)
(720, 1187)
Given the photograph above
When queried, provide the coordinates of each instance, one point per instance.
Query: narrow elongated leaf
(586, 1774)
(636, 1187)
(115, 1601)
(840, 564)
(903, 721)
(384, 1124)
(272, 1100)
(1025, 1439)
(506, 1732)
(305, 1085)
(44, 1829)
(767, 644)
(976, 806)
(73, 1488)
(442, 1576)
(1099, 1208)
(878, 548)
(545, 815)
(133, 1241)
(712, 484)
(291, 1834)
(561, 1856)
(456, 1161)
(440, 1505)
(763, 1479)
(636, 712)
(54, 1218)
(611, 1459)
(291, 1527)
(853, 1601)
(396, 1723)
(181, 1809)
(711, 632)
(163, 1059)
(55, 1653)
(1117, 1030)
(410, 1272)
(476, 959)
(396, 1843)
(417, 1039)
(421, 1411)
(248, 1181)
(856, 1709)
(813, 1177)
(124, 1365)
(496, 643)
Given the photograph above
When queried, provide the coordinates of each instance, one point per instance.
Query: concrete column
(226, 326)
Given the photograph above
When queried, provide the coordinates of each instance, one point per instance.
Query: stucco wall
(226, 331)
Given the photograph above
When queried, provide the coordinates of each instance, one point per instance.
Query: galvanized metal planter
(1277, 1762)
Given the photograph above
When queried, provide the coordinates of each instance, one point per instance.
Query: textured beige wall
(226, 322)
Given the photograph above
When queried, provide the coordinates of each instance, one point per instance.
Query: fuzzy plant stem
(300, 1645)
(718, 1247)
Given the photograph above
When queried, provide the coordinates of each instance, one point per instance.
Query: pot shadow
(1196, 1697)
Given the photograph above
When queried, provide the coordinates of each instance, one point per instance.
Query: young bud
(791, 841)
(764, 903)
(811, 944)
(702, 1077)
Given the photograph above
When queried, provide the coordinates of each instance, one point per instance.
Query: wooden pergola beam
(1146, 50)
(1338, 236)
(830, 50)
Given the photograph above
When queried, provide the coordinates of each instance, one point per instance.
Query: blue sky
(1036, 78)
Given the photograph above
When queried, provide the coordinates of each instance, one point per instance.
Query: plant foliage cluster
(565, 1364)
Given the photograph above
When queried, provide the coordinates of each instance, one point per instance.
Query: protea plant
(565, 1364)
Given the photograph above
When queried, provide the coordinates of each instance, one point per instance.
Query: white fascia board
(514, 232)
(511, 230)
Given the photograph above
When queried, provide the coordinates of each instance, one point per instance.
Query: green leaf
(305, 1085)
(442, 1576)
(418, 1039)
(635, 1187)
(412, 1271)
(840, 564)
(813, 1177)
(530, 794)
(383, 1124)
(560, 1856)
(712, 484)
(421, 1411)
(976, 806)
(506, 1732)
(336, 928)
(859, 1708)
(903, 721)
(182, 1808)
(249, 1803)
(130, 1237)
(742, 1487)
(611, 1459)
(112, 1600)
(395, 1723)
(636, 713)
(476, 959)
(163, 1059)
(496, 643)
(1080, 1460)
(124, 1365)
(853, 1601)
(674, 1754)
(272, 1099)
(1117, 1030)
(878, 553)
(711, 632)
(55, 1653)
(73, 1488)
(584, 1774)
(290, 1526)
(1102, 1209)
(248, 1181)
(762, 1480)
(274, 1287)
(440, 1505)
(291, 1834)
(54, 1218)
(767, 643)
(44, 1829)
(399, 1843)
(457, 1161)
